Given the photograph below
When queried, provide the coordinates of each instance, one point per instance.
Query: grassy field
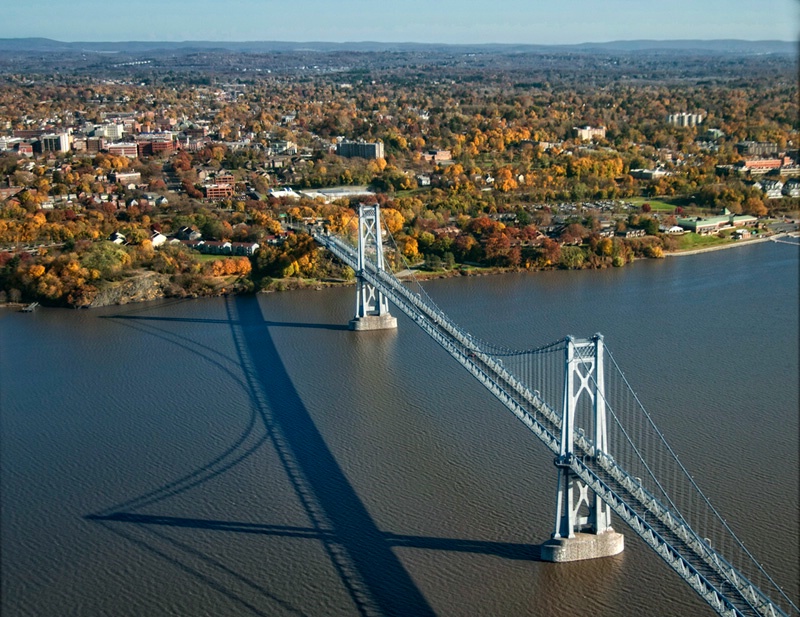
(693, 241)
(657, 205)
(204, 258)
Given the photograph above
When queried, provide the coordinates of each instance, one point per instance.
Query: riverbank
(151, 286)
(733, 244)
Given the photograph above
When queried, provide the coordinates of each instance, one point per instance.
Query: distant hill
(728, 46)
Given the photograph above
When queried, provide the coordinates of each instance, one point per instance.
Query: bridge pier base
(373, 322)
(583, 546)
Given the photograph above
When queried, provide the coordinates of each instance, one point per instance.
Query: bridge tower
(583, 521)
(372, 306)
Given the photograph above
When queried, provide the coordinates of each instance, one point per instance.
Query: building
(196, 132)
(713, 134)
(155, 143)
(129, 149)
(773, 189)
(649, 174)
(715, 224)
(55, 142)
(218, 191)
(224, 177)
(632, 233)
(133, 177)
(110, 131)
(791, 188)
(588, 133)
(757, 148)
(157, 238)
(284, 147)
(244, 248)
(95, 144)
(684, 119)
(361, 149)
(434, 156)
(9, 143)
(761, 166)
(29, 133)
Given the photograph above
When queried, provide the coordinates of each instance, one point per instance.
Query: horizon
(409, 42)
(512, 22)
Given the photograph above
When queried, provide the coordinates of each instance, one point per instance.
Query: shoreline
(730, 245)
(280, 285)
(718, 247)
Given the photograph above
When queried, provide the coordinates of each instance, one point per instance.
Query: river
(251, 456)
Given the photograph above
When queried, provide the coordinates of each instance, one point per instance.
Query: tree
(755, 206)
(393, 219)
(572, 257)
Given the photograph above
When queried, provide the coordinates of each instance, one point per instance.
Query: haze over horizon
(446, 22)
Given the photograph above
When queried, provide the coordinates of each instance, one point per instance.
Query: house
(188, 233)
(117, 238)
(772, 188)
(791, 188)
(9, 192)
(632, 233)
(215, 247)
(157, 239)
(244, 248)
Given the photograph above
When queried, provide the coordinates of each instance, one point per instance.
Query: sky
(421, 21)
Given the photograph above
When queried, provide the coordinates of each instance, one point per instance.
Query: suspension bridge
(609, 454)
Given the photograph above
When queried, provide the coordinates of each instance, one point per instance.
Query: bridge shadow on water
(361, 553)
(377, 581)
(506, 550)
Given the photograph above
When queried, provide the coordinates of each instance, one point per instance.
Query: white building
(110, 131)
(55, 142)
(157, 239)
(588, 133)
(791, 188)
(684, 119)
(772, 188)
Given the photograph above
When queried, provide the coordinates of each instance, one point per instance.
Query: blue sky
(428, 21)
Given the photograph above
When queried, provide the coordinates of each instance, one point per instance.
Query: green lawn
(657, 205)
(693, 241)
(203, 258)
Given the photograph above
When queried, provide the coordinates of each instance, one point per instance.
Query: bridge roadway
(718, 582)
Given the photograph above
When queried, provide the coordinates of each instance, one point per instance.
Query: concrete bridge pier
(372, 306)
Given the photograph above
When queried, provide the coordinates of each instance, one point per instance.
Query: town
(145, 177)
